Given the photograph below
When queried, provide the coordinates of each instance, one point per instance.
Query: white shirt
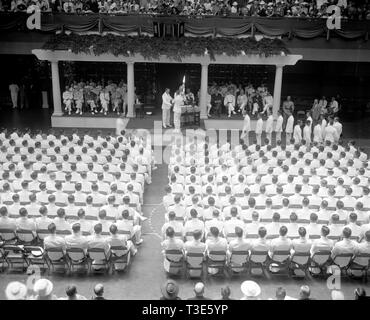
(289, 124)
(279, 124)
(166, 101)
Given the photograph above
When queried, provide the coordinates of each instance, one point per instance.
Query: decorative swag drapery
(305, 28)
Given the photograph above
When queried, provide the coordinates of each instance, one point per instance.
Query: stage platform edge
(85, 122)
(229, 124)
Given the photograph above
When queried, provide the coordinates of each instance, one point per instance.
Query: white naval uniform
(289, 128)
(259, 126)
(268, 129)
(279, 127)
(166, 108)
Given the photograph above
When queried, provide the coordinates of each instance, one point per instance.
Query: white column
(57, 100)
(277, 89)
(130, 89)
(203, 91)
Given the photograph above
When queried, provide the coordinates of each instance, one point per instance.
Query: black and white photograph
(201, 150)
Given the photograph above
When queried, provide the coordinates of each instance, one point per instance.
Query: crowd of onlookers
(43, 289)
(359, 10)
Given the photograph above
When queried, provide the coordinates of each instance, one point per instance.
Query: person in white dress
(289, 129)
(246, 127)
(166, 108)
(268, 129)
(259, 126)
(297, 134)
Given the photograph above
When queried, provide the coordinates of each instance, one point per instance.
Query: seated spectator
(322, 244)
(54, 241)
(76, 239)
(302, 244)
(282, 243)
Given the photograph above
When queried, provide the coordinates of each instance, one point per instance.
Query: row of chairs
(259, 262)
(20, 258)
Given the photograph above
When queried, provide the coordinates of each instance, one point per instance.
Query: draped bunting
(306, 28)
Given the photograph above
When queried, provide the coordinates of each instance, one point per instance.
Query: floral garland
(175, 49)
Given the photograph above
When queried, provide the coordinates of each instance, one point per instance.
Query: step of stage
(87, 121)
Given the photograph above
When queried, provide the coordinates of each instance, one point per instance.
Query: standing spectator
(225, 293)
(71, 292)
(199, 292)
(99, 292)
(304, 293)
(14, 90)
(251, 290)
(170, 291)
(16, 291)
(43, 289)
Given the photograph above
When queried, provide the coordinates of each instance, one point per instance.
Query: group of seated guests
(294, 197)
(81, 190)
(260, 8)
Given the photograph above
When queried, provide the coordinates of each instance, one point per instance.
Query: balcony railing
(304, 28)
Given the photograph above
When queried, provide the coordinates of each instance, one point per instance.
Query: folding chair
(173, 261)
(3, 261)
(42, 234)
(342, 261)
(194, 264)
(15, 257)
(216, 262)
(78, 260)
(36, 257)
(8, 236)
(319, 262)
(26, 237)
(257, 261)
(63, 233)
(279, 261)
(120, 258)
(57, 260)
(359, 264)
(238, 262)
(299, 263)
(98, 260)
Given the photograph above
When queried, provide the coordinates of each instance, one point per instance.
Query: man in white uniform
(268, 129)
(246, 127)
(259, 126)
(166, 108)
(289, 128)
(279, 126)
